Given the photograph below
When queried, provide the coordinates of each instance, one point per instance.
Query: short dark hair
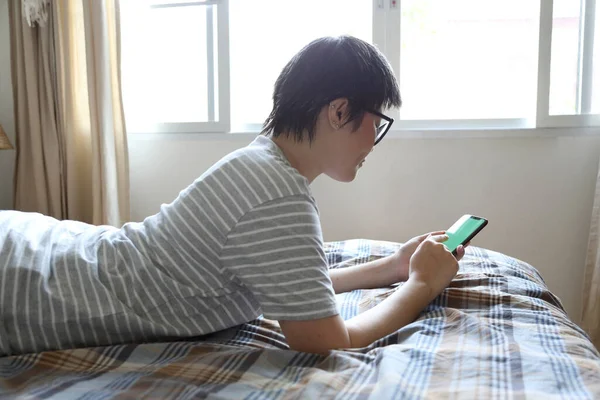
(326, 69)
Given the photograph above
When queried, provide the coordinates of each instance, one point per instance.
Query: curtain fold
(38, 185)
(72, 158)
(590, 317)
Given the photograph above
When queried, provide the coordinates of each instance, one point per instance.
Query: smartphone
(463, 231)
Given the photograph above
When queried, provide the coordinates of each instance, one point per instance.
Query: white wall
(7, 157)
(536, 192)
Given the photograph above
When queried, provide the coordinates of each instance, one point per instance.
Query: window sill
(454, 133)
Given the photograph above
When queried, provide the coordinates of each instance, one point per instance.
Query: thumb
(438, 238)
(426, 235)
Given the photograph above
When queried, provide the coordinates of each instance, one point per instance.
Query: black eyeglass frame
(389, 120)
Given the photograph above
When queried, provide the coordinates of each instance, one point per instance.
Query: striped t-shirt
(243, 240)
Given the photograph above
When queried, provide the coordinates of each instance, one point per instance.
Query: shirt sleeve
(276, 251)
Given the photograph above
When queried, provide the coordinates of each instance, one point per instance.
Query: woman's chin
(345, 176)
(351, 175)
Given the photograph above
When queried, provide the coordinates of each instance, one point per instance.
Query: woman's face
(348, 149)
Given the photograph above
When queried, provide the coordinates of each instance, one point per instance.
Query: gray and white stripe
(241, 240)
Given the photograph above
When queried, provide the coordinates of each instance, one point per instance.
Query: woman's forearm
(395, 312)
(374, 274)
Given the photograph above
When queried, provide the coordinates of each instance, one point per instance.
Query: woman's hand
(400, 261)
(432, 265)
(382, 272)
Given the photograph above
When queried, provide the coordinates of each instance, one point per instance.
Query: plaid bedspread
(497, 332)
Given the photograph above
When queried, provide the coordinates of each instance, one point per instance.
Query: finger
(460, 252)
(437, 233)
(439, 238)
(467, 244)
(426, 235)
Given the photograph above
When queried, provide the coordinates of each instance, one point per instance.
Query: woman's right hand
(433, 265)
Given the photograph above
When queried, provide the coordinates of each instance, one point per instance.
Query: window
(468, 59)
(596, 76)
(210, 65)
(170, 66)
(260, 46)
(573, 63)
(566, 19)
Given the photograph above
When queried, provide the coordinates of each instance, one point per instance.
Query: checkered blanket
(496, 332)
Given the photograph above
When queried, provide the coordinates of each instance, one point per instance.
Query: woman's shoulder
(259, 170)
(243, 180)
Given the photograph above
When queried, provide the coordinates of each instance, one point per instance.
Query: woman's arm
(383, 272)
(374, 274)
(432, 268)
(322, 335)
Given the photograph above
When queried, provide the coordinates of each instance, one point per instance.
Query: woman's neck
(303, 156)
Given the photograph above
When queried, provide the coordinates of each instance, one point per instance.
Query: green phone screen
(461, 230)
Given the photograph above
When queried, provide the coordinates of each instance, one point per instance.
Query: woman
(243, 240)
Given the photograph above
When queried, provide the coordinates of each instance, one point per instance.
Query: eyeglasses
(384, 125)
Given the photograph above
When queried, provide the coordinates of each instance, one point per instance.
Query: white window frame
(585, 70)
(390, 44)
(221, 105)
(386, 36)
(393, 53)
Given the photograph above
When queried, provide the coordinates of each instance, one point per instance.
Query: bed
(496, 332)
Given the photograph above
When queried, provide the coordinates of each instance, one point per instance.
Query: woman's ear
(338, 112)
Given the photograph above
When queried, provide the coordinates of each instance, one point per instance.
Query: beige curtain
(590, 318)
(72, 160)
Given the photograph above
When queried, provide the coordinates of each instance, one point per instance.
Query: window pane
(596, 79)
(468, 59)
(566, 68)
(164, 63)
(565, 52)
(265, 34)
